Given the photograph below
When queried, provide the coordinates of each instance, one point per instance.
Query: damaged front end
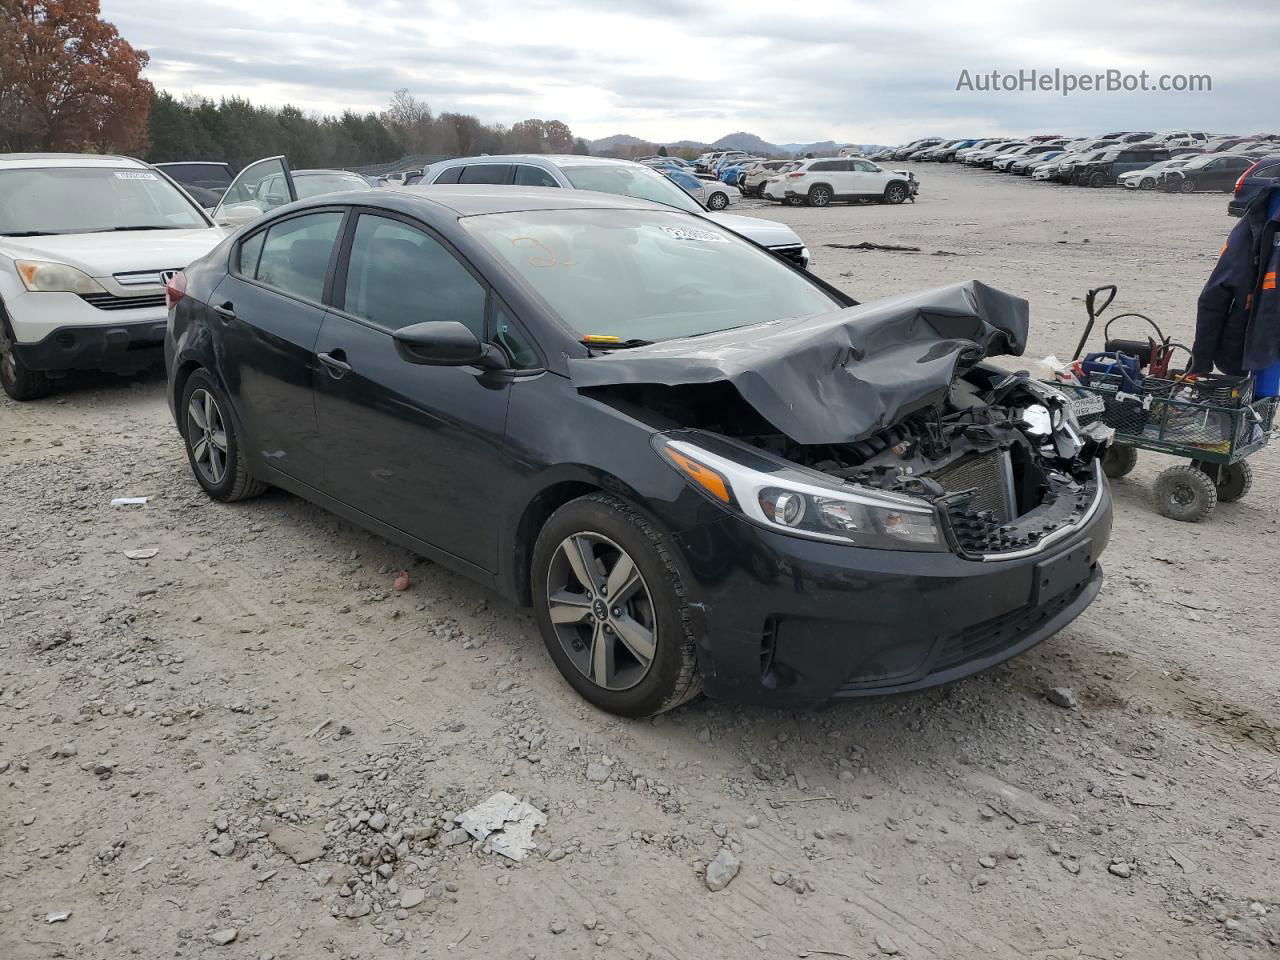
(879, 425)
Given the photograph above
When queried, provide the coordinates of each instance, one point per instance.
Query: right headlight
(803, 503)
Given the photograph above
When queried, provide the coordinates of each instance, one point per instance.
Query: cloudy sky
(858, 70)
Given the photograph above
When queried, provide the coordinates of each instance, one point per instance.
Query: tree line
(70, 82)
(236, 131)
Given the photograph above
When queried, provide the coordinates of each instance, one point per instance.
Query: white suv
(819, 182)
(87, 244)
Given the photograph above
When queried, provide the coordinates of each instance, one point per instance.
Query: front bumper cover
(795, 623)
(123, 347)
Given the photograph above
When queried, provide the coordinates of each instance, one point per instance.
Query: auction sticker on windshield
(693, 233)
(134, 175)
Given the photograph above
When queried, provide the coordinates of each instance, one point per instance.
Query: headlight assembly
(40, 276)
(804, 503)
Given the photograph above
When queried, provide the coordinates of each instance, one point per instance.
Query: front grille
(989, 476)
(795, 253)
(145, 278)
(109, 301)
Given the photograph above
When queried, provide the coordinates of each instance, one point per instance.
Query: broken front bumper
(795, 623)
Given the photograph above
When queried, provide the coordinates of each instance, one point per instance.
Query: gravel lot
(248, 745)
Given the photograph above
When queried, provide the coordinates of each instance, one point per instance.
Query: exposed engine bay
(891, 395)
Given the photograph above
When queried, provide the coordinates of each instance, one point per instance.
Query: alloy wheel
(819, 196)
(718, 201)
(896, 194)
(602, 611)
(207, 436)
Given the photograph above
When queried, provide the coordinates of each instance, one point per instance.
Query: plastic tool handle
(1090, 302)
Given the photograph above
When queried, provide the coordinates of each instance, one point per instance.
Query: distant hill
(623, 144)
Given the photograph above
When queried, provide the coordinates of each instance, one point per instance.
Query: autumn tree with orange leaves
(68, 81)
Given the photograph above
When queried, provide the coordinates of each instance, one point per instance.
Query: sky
(863, 71)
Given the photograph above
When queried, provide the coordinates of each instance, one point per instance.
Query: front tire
(20, 382)
(1147, 183)
(718, 201)
(213, 448)
(1185, 493)
(610, 603)
(1187, 185)
(1119, 460)
(1097, 180)
(895, 193)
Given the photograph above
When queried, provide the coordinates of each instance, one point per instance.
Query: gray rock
(558, 926)
(357, 908)
(454, 837)
(988, 863)
(752, 822)
(886, 945)
(301, 845)
(722, 870)
(411, 897)
(224, 846)
(1061, 697)
(223, 937)
(557, 853)
(780, 877)
(1122, 870)
(598, 772)
(378, 821)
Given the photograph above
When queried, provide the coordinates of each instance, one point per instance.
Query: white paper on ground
(505, 822)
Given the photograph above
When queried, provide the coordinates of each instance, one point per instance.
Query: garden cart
(1214, 421)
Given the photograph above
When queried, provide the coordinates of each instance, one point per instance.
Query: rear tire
(20, 382)
(1185, 493)
(895, 193)
(1119, 460)
(1233, 482)
(718, 201)
(205, 420)
(614, 529)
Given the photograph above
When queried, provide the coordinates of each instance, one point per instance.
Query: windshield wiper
(616, 344)
(143, 226)
(30, 233)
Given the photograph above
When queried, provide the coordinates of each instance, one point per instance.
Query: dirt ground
(247, 745)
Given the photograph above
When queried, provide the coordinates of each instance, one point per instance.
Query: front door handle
(226, 311)
(336, 362)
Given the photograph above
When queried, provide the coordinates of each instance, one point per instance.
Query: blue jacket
(1238, 316)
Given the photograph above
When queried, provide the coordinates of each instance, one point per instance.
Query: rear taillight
(175, 289)
(798, 173)
(1245, 176)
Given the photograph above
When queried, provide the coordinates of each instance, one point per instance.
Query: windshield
(631, 181)
(316, 184)
(91, 200)
(646, 275)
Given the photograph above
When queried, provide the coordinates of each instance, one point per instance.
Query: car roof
(34, 160)
(543, 159)
(467, 200)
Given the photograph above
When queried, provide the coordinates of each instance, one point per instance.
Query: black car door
(1228, 173)
(417, 447)
(268, 311)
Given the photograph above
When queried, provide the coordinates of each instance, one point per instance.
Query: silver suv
(621, 177)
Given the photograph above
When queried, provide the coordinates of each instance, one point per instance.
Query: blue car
(1265, 173)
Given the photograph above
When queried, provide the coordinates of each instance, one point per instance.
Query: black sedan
(702, 467)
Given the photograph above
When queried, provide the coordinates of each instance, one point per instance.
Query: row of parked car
(1181, 161)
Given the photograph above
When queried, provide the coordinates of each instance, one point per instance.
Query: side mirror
(445, 343)
(239, 214)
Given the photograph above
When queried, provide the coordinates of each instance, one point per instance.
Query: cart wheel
(1185, 493)
(1233, 480)
(1119, 460)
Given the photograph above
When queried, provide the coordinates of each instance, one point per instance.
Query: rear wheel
(610, 604)
(718, 200)
(20, 382)
(819, 196)
(213, 448)
(895, 193)
(1119, 460)
(1185, 493)
(1233, 480)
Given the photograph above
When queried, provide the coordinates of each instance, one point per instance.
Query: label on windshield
(134, 175)
(693, 233)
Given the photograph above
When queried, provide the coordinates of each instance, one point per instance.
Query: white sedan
(87, 244)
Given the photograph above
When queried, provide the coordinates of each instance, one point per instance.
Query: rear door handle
(336, 362)
(226, 310)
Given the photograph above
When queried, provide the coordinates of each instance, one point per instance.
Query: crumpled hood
(767, 233)
(840, 376)
(103, 254)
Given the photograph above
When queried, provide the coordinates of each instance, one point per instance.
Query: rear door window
(495, 173)
(449, 176)
(527, 176)
(296, 253)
